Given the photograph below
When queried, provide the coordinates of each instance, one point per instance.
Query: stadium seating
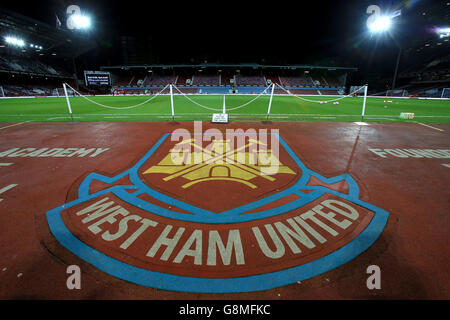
(28, 90)
(203, 80)
(297, 82)
(30, 66)
(250, 80)
(187, 90)
(225, 80)
(273, 79)
(332, 82)
(124, 81)
(427, 79)
(159, 80)
(181, 80)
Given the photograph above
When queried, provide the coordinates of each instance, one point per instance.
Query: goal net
(294, 104)
(273, 102)
(396, 93)
(238, 106)
(59, 92)
(445, 93)
(116, 108)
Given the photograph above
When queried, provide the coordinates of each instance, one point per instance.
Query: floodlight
(15, 41)
(443, 32)
(80, 21)
(381, 24)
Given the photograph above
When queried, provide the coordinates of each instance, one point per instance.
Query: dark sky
(278, 32)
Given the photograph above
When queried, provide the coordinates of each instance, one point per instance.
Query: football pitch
(239, 107)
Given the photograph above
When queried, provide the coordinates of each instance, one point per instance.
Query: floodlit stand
(68, 102)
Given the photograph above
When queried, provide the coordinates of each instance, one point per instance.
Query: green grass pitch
(284, 108)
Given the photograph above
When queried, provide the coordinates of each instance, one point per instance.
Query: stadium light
(443, 32)
(81, 21)
(377, 23)
(15, 41)
(381, 24)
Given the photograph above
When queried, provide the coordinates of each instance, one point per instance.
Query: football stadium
(253, 154)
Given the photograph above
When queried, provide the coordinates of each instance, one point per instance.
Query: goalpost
(68, 101)
(59, 92)
(219, 112)
(169, 90)
(445, 93)
(354, 91)
(270, 100)
(68, 90)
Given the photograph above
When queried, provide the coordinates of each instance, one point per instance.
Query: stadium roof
(213, 65)
(53, 40)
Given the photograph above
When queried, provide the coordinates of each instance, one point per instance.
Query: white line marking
(115, 117)
(361, 123)
(3, 190)
(446, 165)
(276, 117)
(13, 125)
(384, 118)
(427, 125)
(63, 118)
(5, 164)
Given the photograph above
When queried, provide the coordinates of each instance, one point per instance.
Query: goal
(396, 93)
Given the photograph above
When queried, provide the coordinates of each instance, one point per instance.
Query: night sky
(272, 32)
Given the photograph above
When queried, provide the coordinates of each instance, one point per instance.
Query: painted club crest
(218, 214)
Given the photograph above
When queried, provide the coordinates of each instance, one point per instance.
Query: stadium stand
(250, 80)
(426, 79)
(331, 82)
(31, 66)
(329, 91)
(204, 80)
(124, 81)
(155, 80)
(181, 80)
(225, 80)
(297, 82)
(273, 79)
